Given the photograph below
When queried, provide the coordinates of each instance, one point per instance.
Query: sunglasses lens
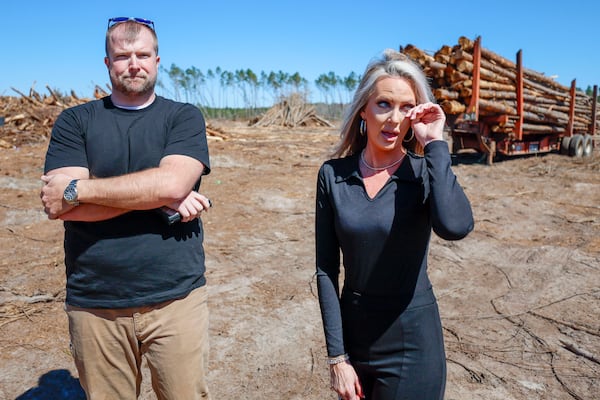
(117, 20)
(143, 21)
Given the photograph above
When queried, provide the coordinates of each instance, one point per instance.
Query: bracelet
(338, 359)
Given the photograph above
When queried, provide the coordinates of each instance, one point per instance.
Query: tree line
(218, 90)
(244, 88)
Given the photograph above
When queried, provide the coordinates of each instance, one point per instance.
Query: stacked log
(546, 103)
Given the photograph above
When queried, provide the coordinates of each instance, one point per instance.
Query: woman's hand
(427, 121)
(345, 382)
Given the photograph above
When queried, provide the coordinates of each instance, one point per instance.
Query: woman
(377, 202)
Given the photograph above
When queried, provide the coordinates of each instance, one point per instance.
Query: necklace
(362, 158)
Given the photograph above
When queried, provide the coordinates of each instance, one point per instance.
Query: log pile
(291, 112)
(29, 118)
(545, 102)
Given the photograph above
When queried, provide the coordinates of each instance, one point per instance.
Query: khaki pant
(108, 345)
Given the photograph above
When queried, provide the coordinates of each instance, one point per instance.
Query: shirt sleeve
(451, 214)
(188, 136)
(67, 144)
(328, 265)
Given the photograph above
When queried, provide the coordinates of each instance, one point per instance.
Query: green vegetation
(590, 92)
(230, 113)
(244, 94)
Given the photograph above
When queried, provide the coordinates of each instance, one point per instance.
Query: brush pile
(546, 102)
(29, 118)
(291, 112)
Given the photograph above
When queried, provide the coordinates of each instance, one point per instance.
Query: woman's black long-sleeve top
(384, 240)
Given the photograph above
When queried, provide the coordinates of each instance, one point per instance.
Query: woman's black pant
(396, 348)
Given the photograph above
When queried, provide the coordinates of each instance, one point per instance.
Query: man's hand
(191, 206)
(52, 194)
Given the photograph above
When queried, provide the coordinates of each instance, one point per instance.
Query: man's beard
(128, 88)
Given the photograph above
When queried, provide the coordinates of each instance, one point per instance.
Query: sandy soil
(519, 297)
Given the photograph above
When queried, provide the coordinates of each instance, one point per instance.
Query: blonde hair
(391, 64)
(132, 30)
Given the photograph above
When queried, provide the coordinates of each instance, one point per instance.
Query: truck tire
(576, 146)
(564, 145)
(588, 145)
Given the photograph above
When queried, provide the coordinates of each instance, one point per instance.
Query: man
(135, 283)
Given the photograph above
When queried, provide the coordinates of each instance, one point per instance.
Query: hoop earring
(412, 135)
(362, 128)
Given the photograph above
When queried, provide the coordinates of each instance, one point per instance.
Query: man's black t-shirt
(135, 259)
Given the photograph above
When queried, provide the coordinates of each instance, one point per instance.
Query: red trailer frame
(470, 130)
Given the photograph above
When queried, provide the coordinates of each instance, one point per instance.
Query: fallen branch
(475, 376)
(567, 324)
(40, 298)
(580, 352)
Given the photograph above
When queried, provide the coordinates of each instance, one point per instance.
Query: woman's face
(384, 113)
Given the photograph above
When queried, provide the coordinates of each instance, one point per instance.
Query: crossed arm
(170, 184)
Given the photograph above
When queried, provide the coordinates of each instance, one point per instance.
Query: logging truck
(498, 108)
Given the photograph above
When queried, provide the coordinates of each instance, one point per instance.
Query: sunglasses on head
(118, 20)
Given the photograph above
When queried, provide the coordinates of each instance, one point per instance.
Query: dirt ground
(519, 297)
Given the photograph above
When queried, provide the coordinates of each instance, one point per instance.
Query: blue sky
(61, 43)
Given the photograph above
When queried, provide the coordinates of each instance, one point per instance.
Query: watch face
(70, 193)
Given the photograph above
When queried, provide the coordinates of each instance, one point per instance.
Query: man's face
(132, 62)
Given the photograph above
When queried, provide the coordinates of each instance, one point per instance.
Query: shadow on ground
(55, 385)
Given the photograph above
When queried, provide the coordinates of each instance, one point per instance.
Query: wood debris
(215, 133)
(292, 111)
(29, 118)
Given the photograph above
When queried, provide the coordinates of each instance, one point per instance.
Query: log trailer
(526, 123)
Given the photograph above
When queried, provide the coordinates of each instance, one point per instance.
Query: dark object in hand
(172, 216)
(169, 215)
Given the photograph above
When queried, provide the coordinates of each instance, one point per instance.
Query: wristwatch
(70, 193)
